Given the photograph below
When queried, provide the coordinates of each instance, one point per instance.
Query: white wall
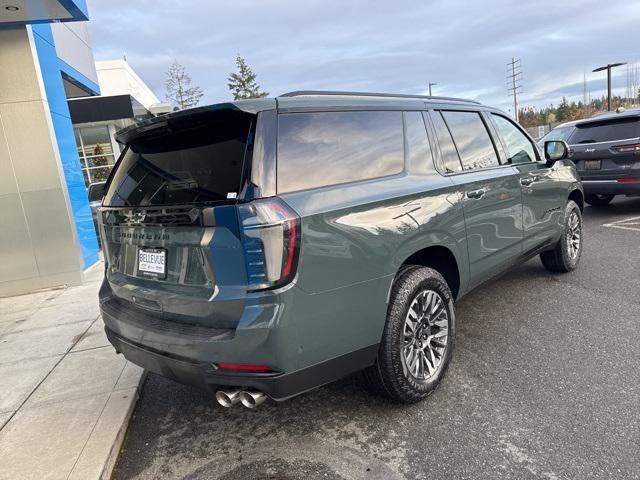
(73, 46)
(116, 77)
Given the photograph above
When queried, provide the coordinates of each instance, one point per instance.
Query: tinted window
(447, 148)
(328, 148)
(519, 147)
(606, 131)
(418, 150)
(472, 140)
(561, 133)
(199, 163)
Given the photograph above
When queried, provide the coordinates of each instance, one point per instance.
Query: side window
(519, 147)
(329, 148)
(472, 139)
(418, 149)
(447, 148)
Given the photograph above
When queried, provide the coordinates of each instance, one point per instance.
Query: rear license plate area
(152, 262)
(592, 164)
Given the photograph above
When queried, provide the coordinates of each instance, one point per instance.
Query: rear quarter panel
(354, 239)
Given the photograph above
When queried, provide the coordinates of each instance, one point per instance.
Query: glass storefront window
(99, 174)
(95, 150)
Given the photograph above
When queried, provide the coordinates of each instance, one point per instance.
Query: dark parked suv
(267, 247)
(606, 151)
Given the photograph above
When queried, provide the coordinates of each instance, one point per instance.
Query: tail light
(271, 240)
(630, 148)
(628, 180)
(242, 367)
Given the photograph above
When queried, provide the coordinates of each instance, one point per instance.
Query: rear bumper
(204, 375)
(288, 330)
(610, 187)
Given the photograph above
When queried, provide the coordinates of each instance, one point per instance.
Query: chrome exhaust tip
(228, 398)
(252, 398)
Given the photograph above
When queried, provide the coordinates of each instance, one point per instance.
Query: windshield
(199, 163)
(606, 131)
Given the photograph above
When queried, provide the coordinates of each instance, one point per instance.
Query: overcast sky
(392, 46)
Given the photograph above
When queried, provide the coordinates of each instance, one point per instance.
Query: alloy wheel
(426, 329)
(574, 235)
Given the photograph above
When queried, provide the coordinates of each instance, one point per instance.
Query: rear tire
(598, 200)
(418, 338)
(565, 256)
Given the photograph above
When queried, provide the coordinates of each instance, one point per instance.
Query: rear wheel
(418, 338)
(566, 254)
(598, 200)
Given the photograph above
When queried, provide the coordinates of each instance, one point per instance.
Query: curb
(112, 458)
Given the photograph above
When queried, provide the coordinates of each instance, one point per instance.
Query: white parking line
(632, 223)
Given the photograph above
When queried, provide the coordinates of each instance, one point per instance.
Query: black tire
(388, 376)
(598, 200)
(561, 259)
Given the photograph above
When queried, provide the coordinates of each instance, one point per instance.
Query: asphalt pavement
(545, 383)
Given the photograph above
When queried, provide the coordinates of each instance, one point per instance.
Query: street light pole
(608, 68)
(431, 85)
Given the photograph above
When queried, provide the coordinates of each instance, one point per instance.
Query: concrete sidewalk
(65, 396)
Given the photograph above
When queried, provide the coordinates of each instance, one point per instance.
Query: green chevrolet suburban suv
(263, 248)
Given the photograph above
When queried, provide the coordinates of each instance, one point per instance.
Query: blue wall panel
(52, 67)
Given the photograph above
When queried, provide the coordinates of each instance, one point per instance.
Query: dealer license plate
(152, 262)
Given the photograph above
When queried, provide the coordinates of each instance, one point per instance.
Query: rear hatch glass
(606, 131)
(199, 161)
(169, 217)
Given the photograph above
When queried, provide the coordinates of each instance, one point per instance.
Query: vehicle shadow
(619, 206)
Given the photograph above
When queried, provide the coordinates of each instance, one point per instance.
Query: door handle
(475, 194)
(526, 181)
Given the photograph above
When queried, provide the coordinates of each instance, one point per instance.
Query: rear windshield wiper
(587, 141)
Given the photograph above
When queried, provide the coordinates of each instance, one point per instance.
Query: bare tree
(179, 89)
(243, 83)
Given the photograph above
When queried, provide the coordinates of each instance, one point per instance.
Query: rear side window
(329, 148)
(519, 147)
(472, 140)
(447, 147)
(620, 129)
(418, 149)
(561, 133)
(199, 163)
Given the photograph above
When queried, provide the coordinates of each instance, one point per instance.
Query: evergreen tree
(179, 89)
(243, 83)
(563, 112)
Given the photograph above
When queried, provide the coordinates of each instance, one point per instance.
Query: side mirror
(96, 191)
(555, 150)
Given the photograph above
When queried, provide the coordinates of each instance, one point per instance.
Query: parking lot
(545, 383)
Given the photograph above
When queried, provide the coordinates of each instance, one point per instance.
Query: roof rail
(302, 93)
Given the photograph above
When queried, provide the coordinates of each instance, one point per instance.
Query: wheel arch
(441, 259)
(578, 197)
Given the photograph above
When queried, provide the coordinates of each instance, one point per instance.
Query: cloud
(396, 46)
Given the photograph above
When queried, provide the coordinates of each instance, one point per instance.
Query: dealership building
(56, 137)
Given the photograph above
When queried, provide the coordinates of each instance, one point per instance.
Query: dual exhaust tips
(248, 398)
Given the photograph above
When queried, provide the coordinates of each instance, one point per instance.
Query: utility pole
(608, 68)
(431, 85)
(514, 79)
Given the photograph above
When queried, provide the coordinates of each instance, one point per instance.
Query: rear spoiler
(190, 118)
(594, 122)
